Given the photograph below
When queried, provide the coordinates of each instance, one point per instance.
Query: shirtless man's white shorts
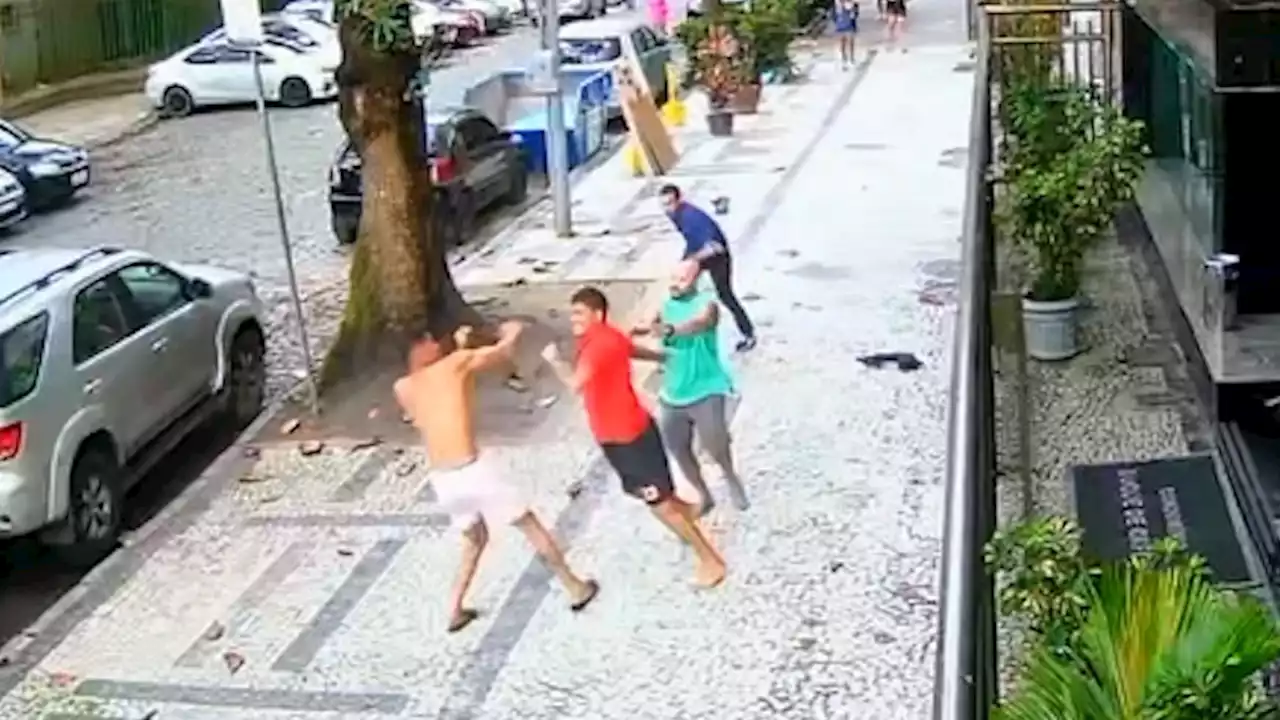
(438, 396)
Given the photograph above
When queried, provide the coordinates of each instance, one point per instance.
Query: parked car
(494, 18)
(108, 358)
(216, 73)
(323, 11)
(303, 31)
(13, 200)
(474, 165)
(575, 10)
(464, 26)
(602, 44)
(50, 172)
(695, 6)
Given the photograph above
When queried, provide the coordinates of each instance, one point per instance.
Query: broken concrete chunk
(906, 362)
(215, 632)
(366, 443)
(373, 414)
(233, 660)
(251, 452)
(405, 468)
(547, 401)
(310, 447)
(516, 384)
(290, 426)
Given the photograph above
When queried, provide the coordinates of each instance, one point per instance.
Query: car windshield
(11, 136)
(588, 51)
(21, 352)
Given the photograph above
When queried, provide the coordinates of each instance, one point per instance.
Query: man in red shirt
(626, 432)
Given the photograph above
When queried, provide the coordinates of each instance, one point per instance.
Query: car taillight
(10, 441)
(443, 169)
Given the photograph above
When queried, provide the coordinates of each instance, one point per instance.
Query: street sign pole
(243, 22)
(283, 225)
(557, 142)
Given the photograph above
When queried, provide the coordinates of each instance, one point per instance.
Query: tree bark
(400, 285)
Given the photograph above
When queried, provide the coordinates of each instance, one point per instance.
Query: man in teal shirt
(696, 385)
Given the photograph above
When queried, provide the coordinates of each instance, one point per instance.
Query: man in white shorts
(438, 395)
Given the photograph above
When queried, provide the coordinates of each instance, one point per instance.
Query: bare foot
(709, 575)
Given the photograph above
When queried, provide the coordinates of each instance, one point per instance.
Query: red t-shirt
(613, 410)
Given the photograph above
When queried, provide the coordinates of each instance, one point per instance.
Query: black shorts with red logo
(642, 465)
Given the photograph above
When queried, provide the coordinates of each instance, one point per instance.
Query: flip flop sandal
(593, 589)
(463, 619)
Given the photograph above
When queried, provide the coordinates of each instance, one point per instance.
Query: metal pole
(284, 233)
(557, 142)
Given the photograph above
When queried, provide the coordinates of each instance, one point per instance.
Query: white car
(493, 16)
(322, 11)
(13, 201)
(221, 74)
(465, 26)
(306, 32)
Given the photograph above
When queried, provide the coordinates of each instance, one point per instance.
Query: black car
(50, 171)
(474, 165)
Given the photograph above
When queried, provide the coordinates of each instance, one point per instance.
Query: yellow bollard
(634, 159)
(674, 111)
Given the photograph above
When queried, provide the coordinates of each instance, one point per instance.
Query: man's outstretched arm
(491, 356)
(573, 376)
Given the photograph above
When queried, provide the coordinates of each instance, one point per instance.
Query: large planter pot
(720, 123)
(1049, 328)
(747, 100)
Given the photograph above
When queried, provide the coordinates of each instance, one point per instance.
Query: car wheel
(177, 102)
(246, 378)
(345, 228)
(519, 188)
(455, 218)
(95, 510)
(294, 92)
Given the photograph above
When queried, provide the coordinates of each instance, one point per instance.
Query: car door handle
(92, 387)
(160, 345)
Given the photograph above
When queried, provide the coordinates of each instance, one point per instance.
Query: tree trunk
(400, 285)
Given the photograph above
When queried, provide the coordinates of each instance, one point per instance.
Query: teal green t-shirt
(693, 369)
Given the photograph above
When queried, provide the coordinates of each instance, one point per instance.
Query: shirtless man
(438, 396)
(626, 432)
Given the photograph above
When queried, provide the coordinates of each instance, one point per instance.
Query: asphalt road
(197, 190)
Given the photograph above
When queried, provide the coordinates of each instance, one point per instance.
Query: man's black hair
(592, 298)
(670, 189)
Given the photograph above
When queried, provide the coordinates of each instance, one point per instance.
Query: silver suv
(107, 359)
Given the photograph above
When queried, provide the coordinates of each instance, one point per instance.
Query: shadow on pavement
(32, 579)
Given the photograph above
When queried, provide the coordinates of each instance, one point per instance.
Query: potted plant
(1149, 638)
(718, 67)
(1064, 186)
(766, 32)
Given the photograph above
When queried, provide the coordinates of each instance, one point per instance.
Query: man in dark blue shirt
(705, 242)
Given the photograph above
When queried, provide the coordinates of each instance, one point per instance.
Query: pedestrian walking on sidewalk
(845, 17)
(705, 242)
(626, 432)
(897, 18)
(696, 385)
(438, 396)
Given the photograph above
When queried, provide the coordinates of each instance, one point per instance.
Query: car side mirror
(198, 288)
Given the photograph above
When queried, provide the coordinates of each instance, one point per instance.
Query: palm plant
(1158, 642)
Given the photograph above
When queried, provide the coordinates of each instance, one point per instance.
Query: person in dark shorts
(626, 432)
(897, 10)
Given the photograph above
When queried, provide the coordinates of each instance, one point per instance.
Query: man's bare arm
(648, 327)
(705, 320)
(498, 354)
(573, 377)
(640, 352)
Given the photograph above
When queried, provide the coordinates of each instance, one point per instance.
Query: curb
(87, 87)
(139, 125)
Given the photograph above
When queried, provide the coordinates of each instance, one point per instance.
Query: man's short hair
(670, 189)
(592, 298)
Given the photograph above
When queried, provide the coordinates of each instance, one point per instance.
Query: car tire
(519, 188)
(94, 511)
(176, 101)
(295, 92)
(455, 218)
(346, 227)
(246, 386)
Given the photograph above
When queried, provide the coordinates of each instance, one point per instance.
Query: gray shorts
(708, 417)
